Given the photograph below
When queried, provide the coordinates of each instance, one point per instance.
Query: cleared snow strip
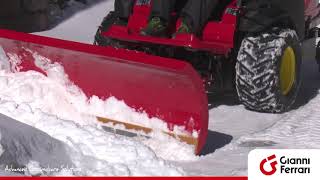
(79, 22)
(297, 129)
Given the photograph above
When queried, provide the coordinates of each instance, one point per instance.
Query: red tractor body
(215, 52)
(217, 36)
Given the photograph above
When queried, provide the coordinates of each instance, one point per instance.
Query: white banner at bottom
(291, 164)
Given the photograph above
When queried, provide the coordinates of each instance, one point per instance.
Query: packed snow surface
(54, 106)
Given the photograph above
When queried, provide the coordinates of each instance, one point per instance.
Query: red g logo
(273, 165)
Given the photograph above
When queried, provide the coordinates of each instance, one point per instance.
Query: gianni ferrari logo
(284, 164)
(271, 160)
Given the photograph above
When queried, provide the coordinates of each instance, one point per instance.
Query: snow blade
(164, 88)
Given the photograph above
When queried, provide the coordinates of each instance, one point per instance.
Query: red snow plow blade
(168, 89)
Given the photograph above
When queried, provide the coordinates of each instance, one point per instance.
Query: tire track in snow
(296, 129)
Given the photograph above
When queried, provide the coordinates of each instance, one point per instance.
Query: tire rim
(287, 71)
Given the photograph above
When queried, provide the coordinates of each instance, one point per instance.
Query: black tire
(258, 71)
(105, 25)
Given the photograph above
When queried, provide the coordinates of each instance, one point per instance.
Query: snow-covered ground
(80, 22)
(50, 105)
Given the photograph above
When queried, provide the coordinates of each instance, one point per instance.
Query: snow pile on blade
(163, 88)
(74, 99)
(54, 105)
